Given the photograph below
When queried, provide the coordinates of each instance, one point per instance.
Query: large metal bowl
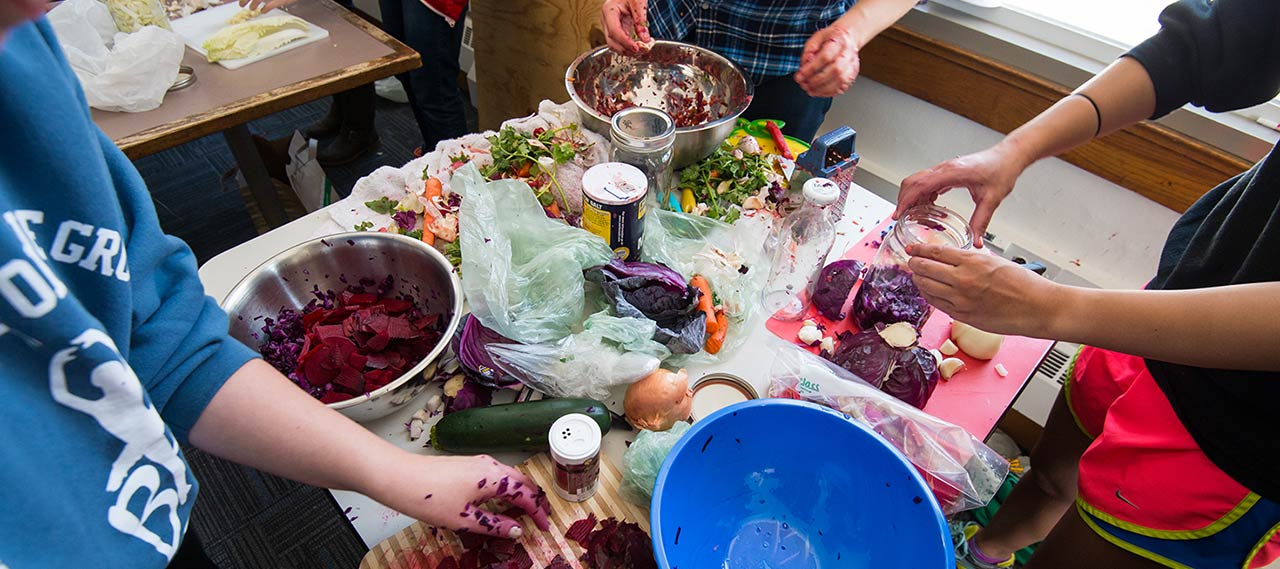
(289, 279)
(661, 78)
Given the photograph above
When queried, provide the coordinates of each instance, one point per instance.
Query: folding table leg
(255, 174)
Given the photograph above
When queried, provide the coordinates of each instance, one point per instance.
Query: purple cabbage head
(888, 295)
(833, 285)
(647, 290)
(469, 345)
(910, 374)
(914, 377)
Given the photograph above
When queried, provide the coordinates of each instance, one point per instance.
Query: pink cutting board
(974, 398)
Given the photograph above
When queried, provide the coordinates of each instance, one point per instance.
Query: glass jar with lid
(888, 294)
(644, 137)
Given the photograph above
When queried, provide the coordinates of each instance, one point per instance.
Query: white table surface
(375, 522)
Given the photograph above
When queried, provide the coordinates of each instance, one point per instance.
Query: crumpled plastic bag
(962, 472)
(521, 271)
(118, 72)
(609, 351)
(696, 245)
(643, 460)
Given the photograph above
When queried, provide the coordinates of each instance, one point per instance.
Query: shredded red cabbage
(341, 345)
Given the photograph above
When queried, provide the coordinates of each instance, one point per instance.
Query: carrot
(524, 169)
(427, 236)
(433, 188)
(705, 302)
(553, 209)
(716, 341)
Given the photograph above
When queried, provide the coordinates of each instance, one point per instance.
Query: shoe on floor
(966, 556)
(347, 147)
(330, 124)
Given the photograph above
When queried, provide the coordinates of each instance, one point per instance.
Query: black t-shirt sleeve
(1222, 55)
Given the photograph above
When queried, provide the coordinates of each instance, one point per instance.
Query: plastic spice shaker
(804, 240)
(888, 294)
(645, 137)
(575, 448)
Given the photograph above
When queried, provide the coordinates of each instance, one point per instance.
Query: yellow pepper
(687, 202)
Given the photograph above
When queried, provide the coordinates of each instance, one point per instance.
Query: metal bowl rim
(241, 286)
(571, 72)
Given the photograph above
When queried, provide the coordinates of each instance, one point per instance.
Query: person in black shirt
(1163, 439)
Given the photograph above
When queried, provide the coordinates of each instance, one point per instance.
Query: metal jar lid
(642, 128)
(719, 381)
(614, 183)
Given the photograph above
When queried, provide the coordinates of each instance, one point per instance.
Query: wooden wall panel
(522, 50)
(1157, 162)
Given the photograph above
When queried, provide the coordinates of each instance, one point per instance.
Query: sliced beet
(580, 529)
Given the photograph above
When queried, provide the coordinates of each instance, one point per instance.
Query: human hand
(622, 17)
(264, 6)
(984, 290)
(14, 12)
(829, 63)
(450, 492)
(988, 175)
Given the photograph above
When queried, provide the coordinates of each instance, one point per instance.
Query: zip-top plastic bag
(962, 472)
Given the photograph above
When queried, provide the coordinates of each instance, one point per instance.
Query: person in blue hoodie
(111, 355)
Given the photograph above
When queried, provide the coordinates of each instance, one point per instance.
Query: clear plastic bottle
(804, 240)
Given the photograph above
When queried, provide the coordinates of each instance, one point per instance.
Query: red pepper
(778, 140)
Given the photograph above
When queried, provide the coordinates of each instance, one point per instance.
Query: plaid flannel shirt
(765, 37)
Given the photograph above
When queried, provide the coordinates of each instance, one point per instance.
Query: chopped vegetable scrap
(342, 345)
(732, 181)
(654, 291)
(534, 157)
(582, 529)
(483, 552)
(618, 545)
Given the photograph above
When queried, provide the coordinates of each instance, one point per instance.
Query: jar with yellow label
(613, 206)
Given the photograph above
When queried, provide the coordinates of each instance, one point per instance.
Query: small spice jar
(645, 137)
(575, 449)
(888, 294)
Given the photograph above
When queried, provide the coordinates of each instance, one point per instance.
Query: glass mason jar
(644, 137)
(888, 294)
(133, 15)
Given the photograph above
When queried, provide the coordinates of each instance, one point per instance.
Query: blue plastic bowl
(783, 484)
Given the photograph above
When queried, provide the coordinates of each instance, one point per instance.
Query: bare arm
(1227, 327)
(1124, 94)
(830, 61)
(260, 419)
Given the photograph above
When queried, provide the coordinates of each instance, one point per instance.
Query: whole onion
(658, 401)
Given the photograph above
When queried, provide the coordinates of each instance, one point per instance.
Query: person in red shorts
(1162, 449)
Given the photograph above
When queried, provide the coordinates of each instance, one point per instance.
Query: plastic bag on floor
(119, 72)
(643, 460)
(963, 472)
(521, 271)
(608, 351)
(730, 257)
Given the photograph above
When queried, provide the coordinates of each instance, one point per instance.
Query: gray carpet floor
(246, 518)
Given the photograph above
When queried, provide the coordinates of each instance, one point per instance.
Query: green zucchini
(513, 427)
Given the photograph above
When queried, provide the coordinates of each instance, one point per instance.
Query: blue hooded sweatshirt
(109, 348)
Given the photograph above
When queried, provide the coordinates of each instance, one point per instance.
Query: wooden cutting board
(419, 547)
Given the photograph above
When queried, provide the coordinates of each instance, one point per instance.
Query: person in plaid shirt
(798, 53)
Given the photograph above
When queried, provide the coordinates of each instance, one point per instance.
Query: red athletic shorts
(1145, 486)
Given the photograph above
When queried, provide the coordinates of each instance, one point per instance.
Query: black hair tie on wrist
(1096, 112)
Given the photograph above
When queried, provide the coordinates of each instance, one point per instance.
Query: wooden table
(222, 100)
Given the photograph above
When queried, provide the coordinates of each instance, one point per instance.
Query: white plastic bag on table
(609, 351)
(696, 245)
(963, 472)
(521, 271)
(119, 72)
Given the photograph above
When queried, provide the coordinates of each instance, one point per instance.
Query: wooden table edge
(171, 134)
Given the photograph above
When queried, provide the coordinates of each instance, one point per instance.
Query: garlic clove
(950, 367)
(948, 348)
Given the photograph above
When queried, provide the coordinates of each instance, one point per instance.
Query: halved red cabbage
(653, 291)
(910, 374)
(833, 285)
(888, 295)
(469, 344)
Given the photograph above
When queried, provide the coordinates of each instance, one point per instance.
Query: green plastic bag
(730, 257)
(521, 271)
(643, 460)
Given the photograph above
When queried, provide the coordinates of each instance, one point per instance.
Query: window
(1124, 22)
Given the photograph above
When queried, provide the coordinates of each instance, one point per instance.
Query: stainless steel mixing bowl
(663, 78)
(289, 279)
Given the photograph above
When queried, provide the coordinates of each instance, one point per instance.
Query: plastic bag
(643, 460)
(695, 245)
(963, 472)
(521, 271)
(119, 72)
(609, 351)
